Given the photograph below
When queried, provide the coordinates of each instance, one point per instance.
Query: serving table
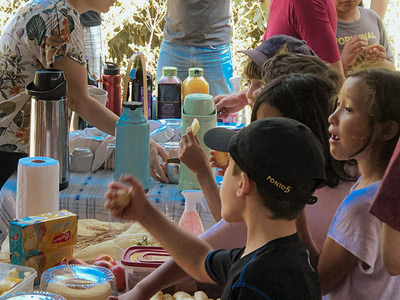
(85, 197)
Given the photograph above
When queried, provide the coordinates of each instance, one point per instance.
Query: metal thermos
(49, 119)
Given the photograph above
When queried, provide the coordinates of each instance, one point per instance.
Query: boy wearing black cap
(275, 166)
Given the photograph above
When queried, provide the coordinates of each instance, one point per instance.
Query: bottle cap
(170, 71)
(196, 72)
(111, 69)
(132, 105)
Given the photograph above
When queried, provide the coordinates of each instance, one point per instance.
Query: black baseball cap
(281, 155)
(271, 46)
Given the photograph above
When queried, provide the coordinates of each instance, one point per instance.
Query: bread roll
(200, 295)
(182, 296)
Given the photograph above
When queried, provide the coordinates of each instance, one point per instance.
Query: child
(361, 36)
(275, 166)
(231, 103)
(364, 126)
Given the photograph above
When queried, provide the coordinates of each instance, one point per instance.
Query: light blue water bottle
(132, 147)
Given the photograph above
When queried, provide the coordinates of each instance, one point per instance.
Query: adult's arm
(380, 6)
(230, 103)
(80, 101)
(95, 113)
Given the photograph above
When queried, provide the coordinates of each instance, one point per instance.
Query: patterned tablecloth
(85, 197)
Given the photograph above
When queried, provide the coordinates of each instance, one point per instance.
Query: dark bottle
(112, 84)
(136, 86)
(169, 95)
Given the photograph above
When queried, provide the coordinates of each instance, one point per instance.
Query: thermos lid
(48, 84)
(199, 105)
(169, 71)
(111, 69)
(132, 105)
(196, 72)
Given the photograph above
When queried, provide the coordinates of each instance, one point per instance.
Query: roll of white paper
(37, 186)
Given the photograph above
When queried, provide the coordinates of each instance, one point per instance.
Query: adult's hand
(230, 103)
(156, 169)
(352, 49)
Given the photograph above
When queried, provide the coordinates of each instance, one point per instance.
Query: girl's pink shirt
(224, 235)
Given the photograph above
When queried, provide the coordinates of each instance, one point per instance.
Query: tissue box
(51, 231)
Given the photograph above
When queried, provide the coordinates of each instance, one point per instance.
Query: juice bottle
(195, 83)
(169, 94)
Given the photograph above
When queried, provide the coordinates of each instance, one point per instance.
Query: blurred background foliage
(137, 26)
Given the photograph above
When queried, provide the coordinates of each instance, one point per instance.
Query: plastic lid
(196, 72)
(199, 105)
(144, 256)
(77, 276)
(169, 71)
(111, 69)
(132, 105)
(37, 295)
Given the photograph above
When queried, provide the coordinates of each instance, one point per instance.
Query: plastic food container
(26, 285)
(140, 261)
(33, 296)
(78, 282)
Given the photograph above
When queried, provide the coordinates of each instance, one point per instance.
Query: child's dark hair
(305, 98)
(281, 209)
(285, 63)
(383, 106)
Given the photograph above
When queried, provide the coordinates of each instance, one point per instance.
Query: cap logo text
(284, 188)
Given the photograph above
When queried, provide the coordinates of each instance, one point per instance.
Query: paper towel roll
(37, 186)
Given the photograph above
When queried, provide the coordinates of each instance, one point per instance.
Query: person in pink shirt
(313, 21)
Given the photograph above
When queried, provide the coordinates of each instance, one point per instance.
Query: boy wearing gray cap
(275, 166)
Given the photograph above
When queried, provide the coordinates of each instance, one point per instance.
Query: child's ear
(389, 130)
(245, 185)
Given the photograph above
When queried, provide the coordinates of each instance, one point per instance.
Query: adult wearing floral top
(47, 34)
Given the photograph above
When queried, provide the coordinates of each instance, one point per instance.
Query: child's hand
(126, 202)
(375, 53)
(191, 153)
(352, 49)
(219, 160)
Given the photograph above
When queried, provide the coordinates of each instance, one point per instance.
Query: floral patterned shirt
(40, 33)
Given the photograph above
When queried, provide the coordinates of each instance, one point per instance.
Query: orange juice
(194, 83)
